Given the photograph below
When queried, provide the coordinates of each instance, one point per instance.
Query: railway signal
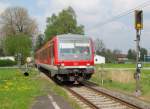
(138, 27)
(138, 19)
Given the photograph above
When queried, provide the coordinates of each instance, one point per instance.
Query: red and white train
(67, 57)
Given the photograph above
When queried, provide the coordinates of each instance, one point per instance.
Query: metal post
(99, 74)
(102, 81)
(138, 70)
(19, 59)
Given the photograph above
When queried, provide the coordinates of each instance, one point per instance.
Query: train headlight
(88, 64)
(62, 64)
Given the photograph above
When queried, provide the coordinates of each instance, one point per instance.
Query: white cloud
(119, 33)
(91, 13)
(41, 2)
(116, 35)
(3, 6)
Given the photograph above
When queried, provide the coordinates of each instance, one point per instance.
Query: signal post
(138, 27)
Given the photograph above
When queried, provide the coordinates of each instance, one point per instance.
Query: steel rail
(87, 102)
(87, 84)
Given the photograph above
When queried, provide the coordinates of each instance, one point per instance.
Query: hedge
(7, 62)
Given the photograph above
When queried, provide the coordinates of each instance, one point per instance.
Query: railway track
(89, 97)
(95, 99)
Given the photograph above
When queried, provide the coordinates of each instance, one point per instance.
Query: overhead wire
(145, 4)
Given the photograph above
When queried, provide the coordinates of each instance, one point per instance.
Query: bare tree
(99, 45)
(16, 20)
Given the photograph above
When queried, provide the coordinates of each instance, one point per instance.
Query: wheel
(49, 74)
(71, 82)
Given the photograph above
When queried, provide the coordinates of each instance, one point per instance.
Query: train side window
(48, 50)
(52, 56)
(45, 54)
(52, 53)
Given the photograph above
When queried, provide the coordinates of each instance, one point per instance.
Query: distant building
(121, 58)
(147, 58)
(99, 59)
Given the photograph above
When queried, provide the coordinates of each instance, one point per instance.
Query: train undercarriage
(73, 77)
(69, 74)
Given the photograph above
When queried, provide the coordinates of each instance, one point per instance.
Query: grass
(124, 65)
(145, 83)
(62, 92)
(19, 92)
(114, 80)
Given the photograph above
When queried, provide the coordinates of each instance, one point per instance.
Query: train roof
(72, 36)
(65, 37)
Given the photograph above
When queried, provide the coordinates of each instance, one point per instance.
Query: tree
(18, 44)
(108, 54)
(143, 52)
(1, 46)
(110, 58)
(15, 20)
(64, 23)
(39, 41)
(1, 52)
(116, 53)
(99, 46)
(131, 54)
(101, 50)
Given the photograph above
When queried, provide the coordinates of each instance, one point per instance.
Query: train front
(75, 58)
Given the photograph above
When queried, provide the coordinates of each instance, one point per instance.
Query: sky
(119, 34)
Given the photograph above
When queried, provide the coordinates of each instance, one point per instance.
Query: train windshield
(74, 50)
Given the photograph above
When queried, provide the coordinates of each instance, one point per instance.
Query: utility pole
(138, 27)
(138, 65)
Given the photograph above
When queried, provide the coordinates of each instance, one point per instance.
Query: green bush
(7, 62)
